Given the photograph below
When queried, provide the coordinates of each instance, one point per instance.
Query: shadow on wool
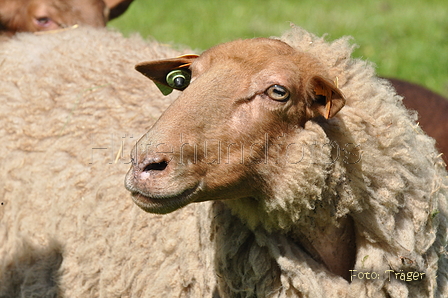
(33, 271)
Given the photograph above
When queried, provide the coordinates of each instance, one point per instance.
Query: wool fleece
(73, 106)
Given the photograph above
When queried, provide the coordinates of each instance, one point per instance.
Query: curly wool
(371, 162)
(68, 227)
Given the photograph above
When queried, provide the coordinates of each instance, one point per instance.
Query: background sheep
(67, 224)
(289, 220)
(43, 15)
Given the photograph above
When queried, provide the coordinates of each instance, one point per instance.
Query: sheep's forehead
(255, 52)
(251, 62)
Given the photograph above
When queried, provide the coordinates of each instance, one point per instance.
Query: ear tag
(168, 74)
(178, 79)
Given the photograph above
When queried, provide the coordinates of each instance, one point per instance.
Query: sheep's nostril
(156, 166)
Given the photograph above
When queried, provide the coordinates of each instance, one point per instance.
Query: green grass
(405, 38)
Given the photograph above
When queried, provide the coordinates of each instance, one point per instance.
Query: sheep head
(210, 144)
(44, 15)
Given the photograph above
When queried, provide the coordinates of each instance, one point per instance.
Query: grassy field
(405, 38)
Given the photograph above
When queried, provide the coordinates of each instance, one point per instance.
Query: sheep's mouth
(164, 204)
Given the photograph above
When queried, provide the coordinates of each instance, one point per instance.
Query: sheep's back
(72, 108)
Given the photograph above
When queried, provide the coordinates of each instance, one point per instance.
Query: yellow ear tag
(178, 79)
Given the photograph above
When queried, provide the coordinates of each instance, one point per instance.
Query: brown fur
(44, 15)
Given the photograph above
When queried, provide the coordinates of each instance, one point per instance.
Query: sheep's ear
(328, 100)
(117, 7)
(164, 72)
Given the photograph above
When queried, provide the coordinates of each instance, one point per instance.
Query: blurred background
(406, 39)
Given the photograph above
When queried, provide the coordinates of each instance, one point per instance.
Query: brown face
(211, 143)
(44, 15)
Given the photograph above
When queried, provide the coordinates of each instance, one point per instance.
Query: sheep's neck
(333, 246)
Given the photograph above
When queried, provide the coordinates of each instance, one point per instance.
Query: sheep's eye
(43, 21)
(278, 92)
(178, 79)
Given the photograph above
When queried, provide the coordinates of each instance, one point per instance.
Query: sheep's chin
(164, 204)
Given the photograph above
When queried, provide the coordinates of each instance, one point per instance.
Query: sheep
(432, 109)
(44, 15)
(320, 182)
(67, 225)
(69, 229)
